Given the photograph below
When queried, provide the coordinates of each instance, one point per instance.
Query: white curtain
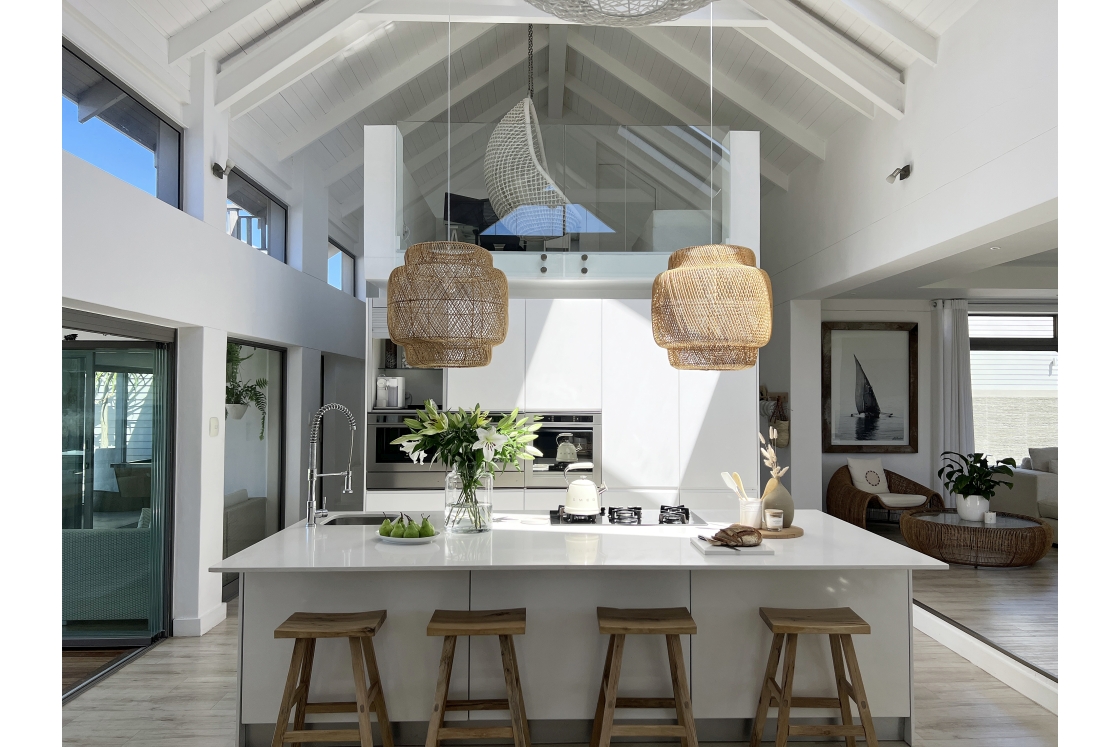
(952, 386)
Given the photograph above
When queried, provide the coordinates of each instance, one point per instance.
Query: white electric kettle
(583, 494)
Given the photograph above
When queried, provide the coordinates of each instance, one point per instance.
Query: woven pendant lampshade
(447, 305)
(712, 309)
(623, 13)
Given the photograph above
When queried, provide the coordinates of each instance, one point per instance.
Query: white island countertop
(522, 541)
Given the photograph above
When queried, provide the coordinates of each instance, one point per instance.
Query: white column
(383, 216)
(303, 399)
(205, 142)
(308, 219)
(200, 455)
(805, 403)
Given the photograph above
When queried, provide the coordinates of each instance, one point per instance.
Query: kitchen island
(560, 574)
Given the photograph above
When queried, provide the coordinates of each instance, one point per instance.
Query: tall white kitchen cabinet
(718, 428)
(500, 385)
(563, 354)
(641, 414)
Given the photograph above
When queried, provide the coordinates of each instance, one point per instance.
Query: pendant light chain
(530, 62)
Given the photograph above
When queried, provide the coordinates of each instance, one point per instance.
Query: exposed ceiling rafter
(194, 36)
(557, 68)
(896, 26)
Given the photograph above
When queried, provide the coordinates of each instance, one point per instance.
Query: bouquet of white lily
(473, 448)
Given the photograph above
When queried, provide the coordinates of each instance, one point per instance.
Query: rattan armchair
(845, 501)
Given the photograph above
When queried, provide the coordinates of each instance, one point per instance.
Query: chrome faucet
(313, 510)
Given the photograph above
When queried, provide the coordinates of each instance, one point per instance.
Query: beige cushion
(900, 500)
(868, 475)
(1048, 507)
(1040, 458)
(1052, 467)
(1026, 463)
(237, 496)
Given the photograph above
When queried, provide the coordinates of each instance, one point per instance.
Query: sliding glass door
(115, 465)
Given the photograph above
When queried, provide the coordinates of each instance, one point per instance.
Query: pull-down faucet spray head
(313, 510)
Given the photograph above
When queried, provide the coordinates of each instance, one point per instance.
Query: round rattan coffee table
(1014, 540)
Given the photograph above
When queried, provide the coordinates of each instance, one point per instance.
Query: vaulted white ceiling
(304, 76)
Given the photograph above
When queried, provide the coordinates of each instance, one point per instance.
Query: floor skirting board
(1020, 676)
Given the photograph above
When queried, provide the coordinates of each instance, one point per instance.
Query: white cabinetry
(718, 427)
(501, 385)
(640, 401)
(563, 354)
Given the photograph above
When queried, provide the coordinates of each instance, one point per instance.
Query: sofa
(1034, 489)
(244, 525)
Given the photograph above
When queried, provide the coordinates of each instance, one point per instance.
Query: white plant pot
(236, 411)
(972, 507)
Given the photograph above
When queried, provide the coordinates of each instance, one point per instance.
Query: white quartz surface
(523, 540)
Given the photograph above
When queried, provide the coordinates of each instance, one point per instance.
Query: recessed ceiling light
(995, 248)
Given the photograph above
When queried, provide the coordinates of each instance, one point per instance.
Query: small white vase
(236, 411)
(750, 513)
(971, 507)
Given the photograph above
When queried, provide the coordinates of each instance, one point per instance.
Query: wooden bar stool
(671, 623)
(839, 624)
(306, 628)
(505, 624)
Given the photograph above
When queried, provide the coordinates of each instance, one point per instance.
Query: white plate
(408, 540)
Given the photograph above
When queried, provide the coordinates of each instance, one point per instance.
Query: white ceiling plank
(744, 98)
(776, 45)
(351, 204)
(344, 168)
(423, 60)
(97, 99)
(305, 65)
(867, 74)
(557, 68)
(189, 39)
(284, 47)
(896, 26)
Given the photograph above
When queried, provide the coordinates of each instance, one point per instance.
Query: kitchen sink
(361, 519)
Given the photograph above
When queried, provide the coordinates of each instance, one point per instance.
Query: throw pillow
(237, 496)
(1053, 466)
(868, 475)
(1040, 458)
(1026, 463)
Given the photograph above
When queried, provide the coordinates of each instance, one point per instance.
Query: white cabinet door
(718, 427)
(563, 354)
(501, 385)
(641, 446)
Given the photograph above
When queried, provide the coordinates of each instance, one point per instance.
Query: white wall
(343, 382)
(981, 131)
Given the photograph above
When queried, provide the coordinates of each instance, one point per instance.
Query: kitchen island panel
(730, 651)
(561, 655)
(407, 658)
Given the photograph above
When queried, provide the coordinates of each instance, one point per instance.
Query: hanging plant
(240, 392)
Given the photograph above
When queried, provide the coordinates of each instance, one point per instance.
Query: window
(1014, 382)
(340, 267)
(255, 217)
(104, 125)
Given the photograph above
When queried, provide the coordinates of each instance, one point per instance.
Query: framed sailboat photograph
(869, 387)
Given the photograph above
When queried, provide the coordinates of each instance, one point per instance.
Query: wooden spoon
(743, 491)
(731, 485)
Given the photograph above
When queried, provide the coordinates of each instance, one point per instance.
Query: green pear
(386, 528)
(398, 530)
(426, 528)
(413, 531)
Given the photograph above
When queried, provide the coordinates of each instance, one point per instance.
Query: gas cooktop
(630, 516)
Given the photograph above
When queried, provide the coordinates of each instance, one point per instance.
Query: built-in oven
(566, 438)
(389, 468)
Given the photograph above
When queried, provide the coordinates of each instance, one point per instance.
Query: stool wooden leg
(610, 697)
(681, 696)
(860, 693)
(443, 682)
(520, 692)
(787, 691)
(764, 696)
(298, 652)
(379, 693)
(361, 692)
(841, 692)
(513, 691)
(597, 725)
(303, 689)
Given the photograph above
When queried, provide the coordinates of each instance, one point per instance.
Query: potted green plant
(473, 448)
(240, 394)
(973, 480)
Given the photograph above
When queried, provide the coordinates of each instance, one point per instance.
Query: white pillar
(308, 219)
(205, 142)
(383, 216)
(200, 455)
(303, 399)
(805, 403)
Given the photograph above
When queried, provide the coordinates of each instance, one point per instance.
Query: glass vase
(467, 503)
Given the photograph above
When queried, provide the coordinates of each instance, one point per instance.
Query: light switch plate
(213, 426)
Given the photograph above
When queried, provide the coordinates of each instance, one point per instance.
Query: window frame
(1015, 343)
(354, 276)
(129, 91)
(267, 193)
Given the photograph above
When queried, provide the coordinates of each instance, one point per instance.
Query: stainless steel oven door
(581, 430)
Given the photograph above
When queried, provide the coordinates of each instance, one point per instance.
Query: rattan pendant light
(712, 309)
(447, 305)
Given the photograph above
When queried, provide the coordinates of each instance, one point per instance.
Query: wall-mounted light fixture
(902, 172)
(219, 171)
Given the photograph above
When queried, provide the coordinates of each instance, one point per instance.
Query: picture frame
(869, 387)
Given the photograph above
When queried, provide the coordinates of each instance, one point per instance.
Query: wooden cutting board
(781, 534)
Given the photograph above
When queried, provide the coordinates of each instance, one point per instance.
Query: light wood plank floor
(1015, 608)
(182, 693)
(79, 664)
